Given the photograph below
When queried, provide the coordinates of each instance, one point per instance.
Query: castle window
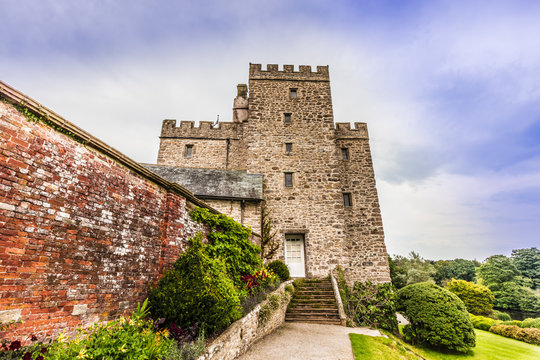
(287, 118)
(288, 148)
(288, 179)
(344, 153)
(188, 151)
(347, 200)
(293, 93)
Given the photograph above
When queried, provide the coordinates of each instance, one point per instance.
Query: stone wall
(334, 234)
(83, 229)
(238, 337)
(233, 208)
(219, 147)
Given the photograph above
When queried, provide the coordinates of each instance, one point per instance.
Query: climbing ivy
(31, 116)
(229, 241)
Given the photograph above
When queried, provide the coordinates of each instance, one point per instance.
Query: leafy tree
(528, 262)
(398, 274)
(497, 269)
(411, 269)
(436, 317)
(454, 269)
(477, 298)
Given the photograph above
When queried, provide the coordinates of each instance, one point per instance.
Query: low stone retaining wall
(262, 320)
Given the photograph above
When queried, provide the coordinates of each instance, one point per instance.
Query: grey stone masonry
(318, 180)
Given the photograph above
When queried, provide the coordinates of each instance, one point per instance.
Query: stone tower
(317, 176)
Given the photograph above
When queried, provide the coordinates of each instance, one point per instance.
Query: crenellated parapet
(358, 131)
(304, 73)
(187, 129)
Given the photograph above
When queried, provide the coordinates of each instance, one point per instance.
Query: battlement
(272, 72)
(359, 130)
(223, 130)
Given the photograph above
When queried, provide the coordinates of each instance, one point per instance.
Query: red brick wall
(81, 236)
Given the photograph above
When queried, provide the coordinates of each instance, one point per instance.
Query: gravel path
(304, 341)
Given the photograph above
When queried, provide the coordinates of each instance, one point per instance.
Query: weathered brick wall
(81, 236)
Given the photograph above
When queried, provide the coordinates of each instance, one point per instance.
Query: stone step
(318, 320)
(322, 311)
(315, 292)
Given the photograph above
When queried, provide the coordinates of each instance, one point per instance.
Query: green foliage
(268, 309)
(477, 298)
(280, 269)
(482, 322)
(230, 242)
(527, 261)
(454, 269)
(499, 315)
(497, 269)
(368, 304)
(411, 270)
(196, 291)
(531, 323)
(398, 274)
(289, 288)
(126, 338)
(528, 335)
(437, 317)
(510, 295)
(188, 351)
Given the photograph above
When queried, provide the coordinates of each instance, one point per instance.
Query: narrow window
(288, 179)
(189, 151)
(287, 118)
(344, 153)
(288, 148)
(293, 93)
(347, 200)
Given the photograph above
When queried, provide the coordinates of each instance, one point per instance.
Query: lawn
(488, 347)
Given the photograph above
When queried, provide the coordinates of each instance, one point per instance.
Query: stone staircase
(313, 302)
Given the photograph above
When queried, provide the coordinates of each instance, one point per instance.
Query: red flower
(40, 357)
(27, 356)
(43, 350)
(33, 337)
(15, 345)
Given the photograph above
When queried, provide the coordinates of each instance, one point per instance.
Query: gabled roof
(212, 183)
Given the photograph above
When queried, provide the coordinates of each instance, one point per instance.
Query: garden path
(303, 341)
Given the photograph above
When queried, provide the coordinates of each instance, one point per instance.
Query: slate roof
(212, 183)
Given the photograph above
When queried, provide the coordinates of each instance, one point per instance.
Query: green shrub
(477, 298)
(437, 317)
(289, 288)
(230, 242)
(499, 315)
(196, 291)
(126, 338)
(528, 335)
(280, 269)
(531, 323)
(370, 304)
(482, 322)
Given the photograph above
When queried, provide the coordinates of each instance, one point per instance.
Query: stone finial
(242, 90)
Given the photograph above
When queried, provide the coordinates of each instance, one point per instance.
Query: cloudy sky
(450, 91)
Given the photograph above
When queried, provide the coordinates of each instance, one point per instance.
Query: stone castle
(284, 149)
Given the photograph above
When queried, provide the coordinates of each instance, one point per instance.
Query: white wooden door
(294, 255)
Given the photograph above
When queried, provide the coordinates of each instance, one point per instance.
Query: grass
(488, 347)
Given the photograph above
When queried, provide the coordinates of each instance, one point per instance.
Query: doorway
(294, 255)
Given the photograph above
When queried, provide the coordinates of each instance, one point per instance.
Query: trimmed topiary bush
(477, 298)
(499, 315)
(280, 269)
(196, 291)
(482, 322)
(437, 317)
